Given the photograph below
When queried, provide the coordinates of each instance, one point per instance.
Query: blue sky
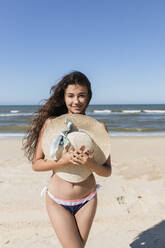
(119, 45)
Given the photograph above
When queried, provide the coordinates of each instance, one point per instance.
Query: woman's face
(76, 98)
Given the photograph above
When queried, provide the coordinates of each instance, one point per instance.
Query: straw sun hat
(73, 131)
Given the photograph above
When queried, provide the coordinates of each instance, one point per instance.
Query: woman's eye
(79, 96)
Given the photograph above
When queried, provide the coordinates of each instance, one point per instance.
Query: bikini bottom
(73, 209)
(71, 205)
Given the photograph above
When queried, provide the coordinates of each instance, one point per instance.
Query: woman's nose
(76, 100)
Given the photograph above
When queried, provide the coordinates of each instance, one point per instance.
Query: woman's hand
(66, 157)
(81, 156)
(84, 157)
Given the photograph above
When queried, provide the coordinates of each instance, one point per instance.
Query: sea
(121, 120)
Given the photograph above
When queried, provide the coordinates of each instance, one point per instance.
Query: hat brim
(85, 123)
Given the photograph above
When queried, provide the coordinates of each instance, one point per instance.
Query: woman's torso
(68, 190)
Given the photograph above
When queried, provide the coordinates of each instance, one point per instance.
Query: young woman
(71, 95)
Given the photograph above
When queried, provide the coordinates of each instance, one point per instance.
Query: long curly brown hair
(53, 107)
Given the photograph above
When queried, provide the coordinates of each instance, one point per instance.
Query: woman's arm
(104, 170)
(41, 164)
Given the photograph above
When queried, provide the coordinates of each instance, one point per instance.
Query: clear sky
(119, 45)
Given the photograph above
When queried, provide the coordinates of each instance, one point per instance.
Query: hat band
(59, 144)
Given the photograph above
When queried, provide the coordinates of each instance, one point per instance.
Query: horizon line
(30, 104)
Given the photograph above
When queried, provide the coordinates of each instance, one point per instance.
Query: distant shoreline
(124, 135)
(120, 119)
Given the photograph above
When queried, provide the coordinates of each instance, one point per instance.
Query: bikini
(71, 205)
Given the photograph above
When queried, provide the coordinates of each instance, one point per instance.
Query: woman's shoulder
(49, 119)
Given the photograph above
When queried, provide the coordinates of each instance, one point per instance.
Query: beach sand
(131, 203)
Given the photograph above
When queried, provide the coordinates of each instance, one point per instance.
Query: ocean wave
(14, 111)
(16, 114)
(126, 112)
(131, 111)
(154, 111)
(105, 111)
(12, 135)
(140, 111)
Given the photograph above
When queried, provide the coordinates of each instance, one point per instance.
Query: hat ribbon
(61, 141)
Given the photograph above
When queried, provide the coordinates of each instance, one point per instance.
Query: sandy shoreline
(131, 202)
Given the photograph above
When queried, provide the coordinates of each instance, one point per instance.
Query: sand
(131, 203)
